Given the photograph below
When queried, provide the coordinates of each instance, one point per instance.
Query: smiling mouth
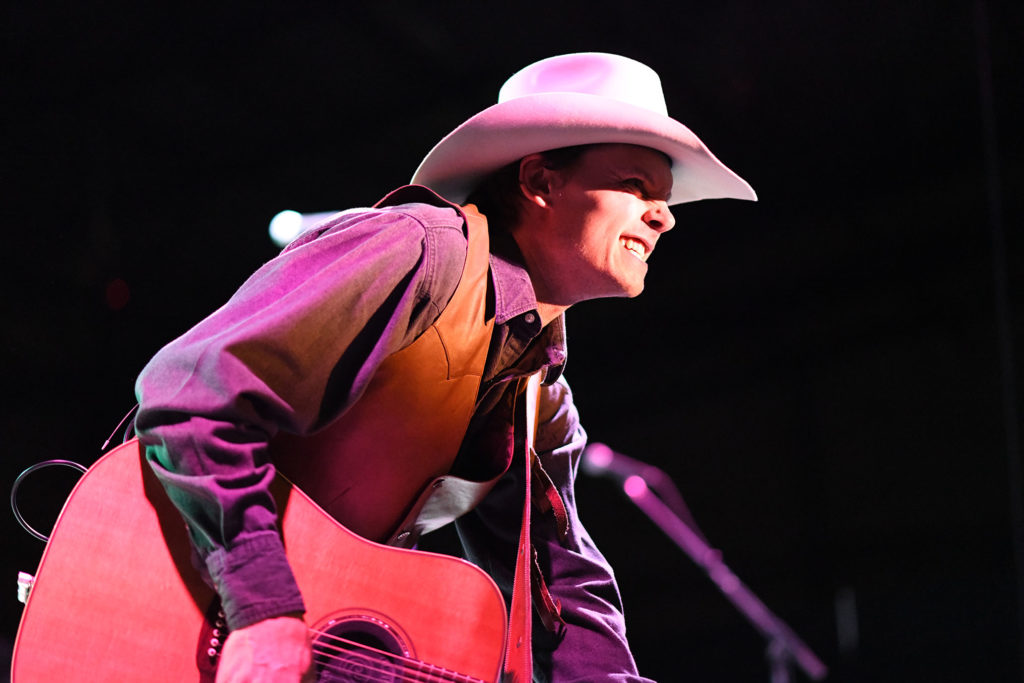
(635, 247)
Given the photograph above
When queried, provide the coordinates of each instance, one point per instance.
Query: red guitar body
(116, 597)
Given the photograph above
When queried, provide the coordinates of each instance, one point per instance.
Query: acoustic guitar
(116, 597)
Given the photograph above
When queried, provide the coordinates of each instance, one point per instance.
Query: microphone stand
(784, 646)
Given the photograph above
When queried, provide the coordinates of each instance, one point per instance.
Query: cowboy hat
(576, 99)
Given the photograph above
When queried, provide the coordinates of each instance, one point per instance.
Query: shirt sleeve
(295, 345)
(593, 645)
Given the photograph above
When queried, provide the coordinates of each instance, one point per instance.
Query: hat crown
(590, 73)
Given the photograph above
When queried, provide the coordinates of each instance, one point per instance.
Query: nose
(659, 217)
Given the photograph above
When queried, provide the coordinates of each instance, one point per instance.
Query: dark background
(827, 374)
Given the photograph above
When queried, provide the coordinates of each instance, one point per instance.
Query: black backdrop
(823, 373)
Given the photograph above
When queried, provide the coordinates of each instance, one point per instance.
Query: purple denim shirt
(297, 344)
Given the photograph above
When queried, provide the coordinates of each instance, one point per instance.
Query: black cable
(17, 483)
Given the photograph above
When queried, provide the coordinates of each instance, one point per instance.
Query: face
(593, 226)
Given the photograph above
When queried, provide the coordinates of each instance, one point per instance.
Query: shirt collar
(513, 290)
(556, 349)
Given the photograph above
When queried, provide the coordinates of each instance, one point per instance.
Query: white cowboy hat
(577, 99)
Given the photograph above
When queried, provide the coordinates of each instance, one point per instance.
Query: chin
(631, 291)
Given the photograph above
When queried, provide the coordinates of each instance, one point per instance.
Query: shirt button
(529, 317)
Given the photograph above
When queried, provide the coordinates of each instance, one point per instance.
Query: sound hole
(359, 649)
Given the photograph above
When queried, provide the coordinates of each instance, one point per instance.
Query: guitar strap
(529, 580)
(518, 657)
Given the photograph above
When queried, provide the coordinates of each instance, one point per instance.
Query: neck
(503, 242)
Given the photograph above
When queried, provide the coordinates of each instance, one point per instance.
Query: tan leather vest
(367, 467)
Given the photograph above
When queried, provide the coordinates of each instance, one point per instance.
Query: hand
(277, 650)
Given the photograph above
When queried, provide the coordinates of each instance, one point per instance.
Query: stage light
(288, 224)
(285, 226)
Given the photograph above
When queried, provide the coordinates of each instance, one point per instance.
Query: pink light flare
(635, 487)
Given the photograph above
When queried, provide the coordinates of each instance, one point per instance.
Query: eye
(635, 184)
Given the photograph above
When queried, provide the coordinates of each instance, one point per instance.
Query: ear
(537, 181)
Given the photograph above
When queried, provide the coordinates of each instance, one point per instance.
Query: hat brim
(508, 131)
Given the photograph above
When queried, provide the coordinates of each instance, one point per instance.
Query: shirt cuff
(254, 580)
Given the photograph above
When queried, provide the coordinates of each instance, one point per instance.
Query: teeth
(636, 247)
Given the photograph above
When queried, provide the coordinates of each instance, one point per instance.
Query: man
(322, 365)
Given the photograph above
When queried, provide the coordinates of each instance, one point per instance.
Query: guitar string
(365, 671)
(391, 670)
(370, 665)
(327, 636)
(398, 662)
(388, 672)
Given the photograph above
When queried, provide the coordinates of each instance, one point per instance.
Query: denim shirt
(297, 344)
